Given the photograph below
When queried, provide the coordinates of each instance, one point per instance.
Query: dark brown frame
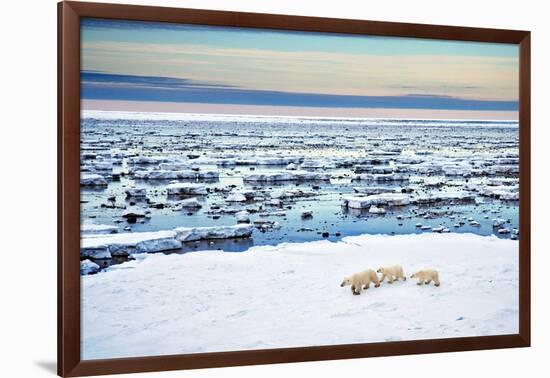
(69, 362)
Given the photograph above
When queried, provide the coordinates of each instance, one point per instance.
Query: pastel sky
(192, 68)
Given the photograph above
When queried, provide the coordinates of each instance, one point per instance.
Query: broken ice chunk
(243, 217)
(105, 246)
(91, 228)
(390, 199)
(136, 192)
(376, 210)
(190, 203)
(92, 179)
(186, 234)
(186, 189)
(88, 267)
(236, 197)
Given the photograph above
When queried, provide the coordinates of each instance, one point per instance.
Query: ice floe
(88, 267)
(381, 177)
(287, 176)
(193, 189)
(92, 179)
(136, 192)
(434, 197)
(123, 244)
(243, 216)
(236, 197)
(187, 234)
(376, 210)
(390, 199)
(92, 228)
(190, 203)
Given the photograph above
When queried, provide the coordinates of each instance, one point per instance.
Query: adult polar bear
(426, 276)
(361, 280)
(392, 273)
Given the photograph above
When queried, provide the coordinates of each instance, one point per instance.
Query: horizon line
(259, 111)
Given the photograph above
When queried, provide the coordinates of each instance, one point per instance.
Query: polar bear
(426, 276)
(393, 273)
(361, 280)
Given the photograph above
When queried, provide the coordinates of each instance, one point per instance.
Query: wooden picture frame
(69, 361)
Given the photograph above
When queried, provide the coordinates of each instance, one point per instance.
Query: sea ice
(136, 192)
(92, 228)
(381, 177)
(187, 234)
(186, 189)
(390, 199)
(134, 212)
(433, 197)
(243, 216)
(287, 176)
(214, 301)
(88, 267)
(376, 210)
(105, 246)
(92, 179)
(176, 175)
(236, 197)
(190, 203)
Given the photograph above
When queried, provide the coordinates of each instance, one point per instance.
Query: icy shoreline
(289, 296)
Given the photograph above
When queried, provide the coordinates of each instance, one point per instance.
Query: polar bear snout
(343, 284)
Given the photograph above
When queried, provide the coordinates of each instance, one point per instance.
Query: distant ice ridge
(154, 116)
(211, 301)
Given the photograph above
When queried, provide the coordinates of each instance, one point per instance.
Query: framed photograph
(239, 188)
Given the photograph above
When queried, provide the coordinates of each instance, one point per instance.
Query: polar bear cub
(393, 273)
(361, 280)
(426, 276)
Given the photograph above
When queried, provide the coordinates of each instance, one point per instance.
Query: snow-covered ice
(236, 197)
(134, 212)
(289, 296)
(201, 175)
(243, 216)
(181, 188)
(88, 267)
(175, 175)
(136, 192)
(444, 196)
(287, 176)
(92, 228)
(391, 199)
(92, 179)
(376, 210)
(190, 203)
(105, 246)
(187, 234)
(381, 177)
